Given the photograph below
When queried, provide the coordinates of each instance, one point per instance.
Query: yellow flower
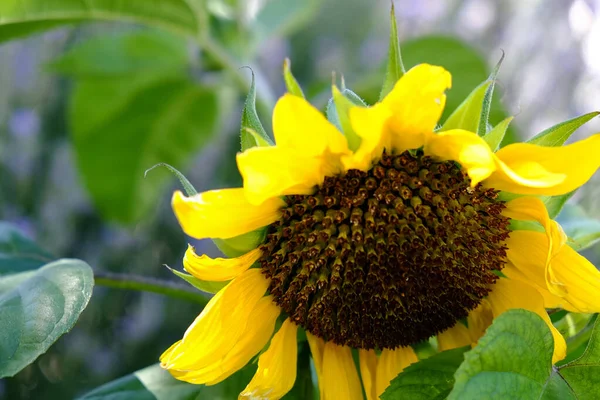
(379, 248)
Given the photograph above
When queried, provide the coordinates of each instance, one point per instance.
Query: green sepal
(290, 82)
(337, 112)
(205, 286)
(473, 113)
(240, 245)
(395, 67)
(188, 188)
(252, 133)
(558, 134)
(494, 137)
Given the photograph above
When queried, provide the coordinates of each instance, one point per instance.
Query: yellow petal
(223, 213)
(466, 148)
(317, 348)
(300, 126)
(218, 269)
(254, 339)
(530, 169)
(533, 209)
(479, 320)
(508, 294)
(417, 100)
(368, 369)
(371, 125)
(340, 378)
(276, 372)
(270, 172)
(391, 363)
(218, 328)
(457, 336)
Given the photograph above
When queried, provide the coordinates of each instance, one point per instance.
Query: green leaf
(38, 308)
(290, 81)
(554, 204)
(124, 54)
(486, 106)
(21, 18)
(337, 113)
(429, 379)
(583, 231)
(582, 374)
(282, 17)
(205, 286)
(558, 134)
(494, 137)
(155, 383)
(189, 189)
(252, 133)
(395, 67)
(18, 253)
(239, 245)
(513, 360)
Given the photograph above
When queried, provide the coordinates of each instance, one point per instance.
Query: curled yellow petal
(340, 378)
(218, 328)
(276, 372)
(368, 372)
(508, 294)
(300, 126)
(254, 338)
(270, 172)
(223, 213)
(466, 148)
(218, 269)
(418, 100)
(526, 168)
(391, 363)
(451, 338)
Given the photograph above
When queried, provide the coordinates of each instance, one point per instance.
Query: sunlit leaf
(558, 134)
(37, 307)
(290, 81)
(494, 137)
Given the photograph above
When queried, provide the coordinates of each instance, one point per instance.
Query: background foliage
(114, 88)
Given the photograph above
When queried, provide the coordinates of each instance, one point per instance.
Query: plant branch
(152, 285)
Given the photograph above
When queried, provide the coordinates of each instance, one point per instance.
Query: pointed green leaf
(583, 373)
(189, 189)
(239, 245)
(290, 81)
(558, 134)
(205, 286)
(582, 230)
(252, 133)
(554, 204)
(395, 68)
(487, 100)
(37, 307)
(513, 360)
(337, 113)
(468, 114)
(429, 379)
(494, 137)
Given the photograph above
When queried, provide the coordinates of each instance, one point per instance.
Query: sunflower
(373, 249)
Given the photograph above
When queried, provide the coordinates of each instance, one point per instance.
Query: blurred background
(85, 110)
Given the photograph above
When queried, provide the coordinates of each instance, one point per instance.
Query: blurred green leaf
(252, 133)
(395, 68)
(494, 137)
(205, 286)
(558, 134)
(282, 17)
(337, 112)
(429, 379)
(524, 372)
(18, 253)
(188, 188)
(155, 383)
(290, 82)
(124, 54)
(554, 204)
(20, 18)
(38, 308)
(583, 231)
(582, 374)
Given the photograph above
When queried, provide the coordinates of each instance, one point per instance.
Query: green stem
(152, 285)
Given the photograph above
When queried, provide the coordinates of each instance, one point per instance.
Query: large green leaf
(17, 252)
(513, 360)
(23, 17)
(429, 379)
(37, 307)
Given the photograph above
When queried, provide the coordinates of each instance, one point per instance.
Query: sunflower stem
(152, 285)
